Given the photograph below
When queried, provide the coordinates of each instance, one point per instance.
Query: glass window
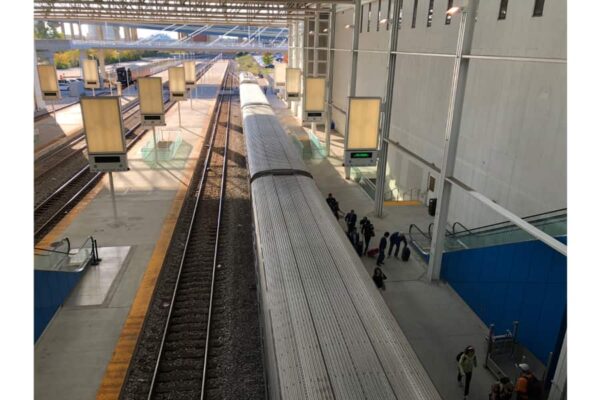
(369, 19)
(430, 13)
(503, 7)
(414, 16)
(538, 8)
(448, 16)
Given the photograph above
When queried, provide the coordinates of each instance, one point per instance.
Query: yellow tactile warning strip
(116, 370)
(403, 203)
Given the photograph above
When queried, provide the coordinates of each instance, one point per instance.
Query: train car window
(448, 16)
(503, 8)
(538, 8)
(362, 17)
(430, 13)
(414, 16)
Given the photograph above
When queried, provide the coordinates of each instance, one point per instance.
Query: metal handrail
(527, 218)
(465, 229)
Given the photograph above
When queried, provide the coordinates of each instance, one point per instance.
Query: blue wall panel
(51, 289)
(525, 281)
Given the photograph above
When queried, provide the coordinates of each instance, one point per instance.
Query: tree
(43, 30)
(267, 58)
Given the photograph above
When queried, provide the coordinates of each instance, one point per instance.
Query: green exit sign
(364, 154)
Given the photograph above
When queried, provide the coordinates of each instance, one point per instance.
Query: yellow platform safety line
(402, 203)
(114, 376)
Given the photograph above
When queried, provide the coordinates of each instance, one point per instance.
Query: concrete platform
(72, 355)
(434, 318)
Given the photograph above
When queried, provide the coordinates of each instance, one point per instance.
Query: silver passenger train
(327, 332)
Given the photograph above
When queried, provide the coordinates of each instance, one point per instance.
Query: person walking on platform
(362, 224)
(528, 387)
(333, 204)
(350, 220)
(395, 240)
(368, 233)
(382, 246)
(378, 278)
(354, 238)
(467, 361)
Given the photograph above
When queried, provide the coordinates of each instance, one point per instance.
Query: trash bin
(432, 204)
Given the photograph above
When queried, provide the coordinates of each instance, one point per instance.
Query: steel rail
(201, 186)
(214, 267)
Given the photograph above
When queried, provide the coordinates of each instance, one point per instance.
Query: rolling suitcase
(405, 253)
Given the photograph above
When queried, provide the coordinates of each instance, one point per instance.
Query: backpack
(534, 388)
(459, 355)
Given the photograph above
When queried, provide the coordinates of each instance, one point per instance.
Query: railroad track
(62, 197)
(173, 361)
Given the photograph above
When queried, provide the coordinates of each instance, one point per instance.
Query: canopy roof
(237, 12)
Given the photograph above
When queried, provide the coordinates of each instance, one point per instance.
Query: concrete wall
(512, 143)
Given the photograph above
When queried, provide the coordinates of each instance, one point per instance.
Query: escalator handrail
(465, 229)
(485, 227)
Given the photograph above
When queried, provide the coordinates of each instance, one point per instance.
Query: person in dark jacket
(382, 246)
(378, 278)
(395, 240)
(351, 220)
(333, 204)
(362, 224)
(368, 233)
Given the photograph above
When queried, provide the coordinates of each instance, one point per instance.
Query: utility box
(76, 89)
(431, 206)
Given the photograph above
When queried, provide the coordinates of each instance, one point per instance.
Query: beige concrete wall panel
(521, 34)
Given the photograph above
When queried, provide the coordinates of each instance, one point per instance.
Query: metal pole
(112, 195)
(329, 81)
(457, 95)
(53, 111)
(190, 94)
(179, 111)
(387, 112)
(93, 92)
(352, 85)
(155, 146)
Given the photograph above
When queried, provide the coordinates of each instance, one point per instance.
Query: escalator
(459, 237)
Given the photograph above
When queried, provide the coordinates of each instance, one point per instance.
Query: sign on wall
(293, 83)
(314, 108)
(363, 131)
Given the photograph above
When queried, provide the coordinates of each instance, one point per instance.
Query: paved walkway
(434, 318)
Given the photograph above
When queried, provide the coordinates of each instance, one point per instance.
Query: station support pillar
(353, 66)
(387, 113)
(101, 61)
(329, 96)
(451, 135)
(558, 388)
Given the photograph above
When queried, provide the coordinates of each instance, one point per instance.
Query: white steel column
(329, 81)
(352, 84)
(102, 65)
(387, 113)
(558, 388)
(457, 95)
